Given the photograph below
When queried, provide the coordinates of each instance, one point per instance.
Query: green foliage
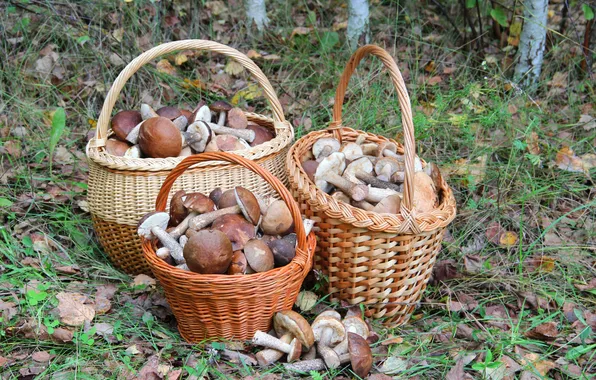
(329, 40)
(588, 12)
(499, 16)
(58, 124)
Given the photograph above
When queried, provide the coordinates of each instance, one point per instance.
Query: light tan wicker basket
(121, 190)
(382, 261)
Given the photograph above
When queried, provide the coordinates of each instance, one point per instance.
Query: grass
(472, 124)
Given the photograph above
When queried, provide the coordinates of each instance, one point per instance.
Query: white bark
(532, 42)
(358, 24)
(257, 13)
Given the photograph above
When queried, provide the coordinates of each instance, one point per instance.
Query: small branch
(444, 11)
(586, 69)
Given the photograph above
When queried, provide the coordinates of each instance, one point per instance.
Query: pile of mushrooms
(369, 175)
(232, 231)
(328, 343)
(173, 132)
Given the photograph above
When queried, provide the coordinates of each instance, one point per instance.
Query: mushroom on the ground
(328, 332)
(293, 349)
(352, 324)
(290, 322)
(208, 252)
(329, 172)
(269, 356)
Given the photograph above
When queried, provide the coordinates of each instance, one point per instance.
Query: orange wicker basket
(225, 306)
(382, 261)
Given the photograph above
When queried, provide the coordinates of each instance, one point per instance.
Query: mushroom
(363, 205)
(284, 249)
(153, 225)
(245, 134)
(324, 147)
(197, 136)
(385, 167)
(258, 255)
(133, 152)
(201, 113)
(340, 196)
(215, 194)
(249, 205)
(262, 134)
(238, 264)
(169, 112)
(434, 173)
(238, 230)
(163, 253)
(293, 349)
(198, 202)
(116, 147)
(388, 205)
(228, 143)
(222, 107)
(237, 119)
(182, 240)
(227, 199)
(208, 252)
(310, 354)
(203, 220)
(352, 151)
(329, 173)
(183, 226)
(288, 321)
(353, 324)
(376, 195)
(185, 152)
(277, 220)
(269, 356)
(124, 122)
(328, 332)
(147, 112)
(177, 210)
(159, 138)
(425, 196)
(310, 168)
(359, 165)
(376, 182)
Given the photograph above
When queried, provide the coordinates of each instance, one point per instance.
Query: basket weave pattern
(122, 189)
(380, 260)
(224, 306)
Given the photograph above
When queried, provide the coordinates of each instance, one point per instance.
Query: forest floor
(513, 294)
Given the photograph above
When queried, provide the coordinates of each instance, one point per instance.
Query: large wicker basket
(382, 261)
(122, 189)
(230, 306)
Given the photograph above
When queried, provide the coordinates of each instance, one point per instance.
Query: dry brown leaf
(567, 160)
(116, 60)
(300, 31)
(559, 80)
(306, 300)
(70, 269)
(41, 357)
(71, 309)
(252, 54)
(542, 263)
(164, 66)
(233, 68)
(589, 286)
(216, 7)
(143, 280)
(456, 372)
(448, 70)
(532, 143)
(474, 263)
(588, 122)
(339, 26)
(545, 331)
(392, 340)
(435, 80)
(508, 239)
(62, 335)
(533, 360)
(494, 232)
(444, 270)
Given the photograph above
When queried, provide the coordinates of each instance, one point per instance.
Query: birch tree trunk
(532, 42)
(358, 24)
(257, 13)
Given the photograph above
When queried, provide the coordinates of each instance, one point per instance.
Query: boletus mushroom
(177, 210)
(208, 252)
(258, 255)
(239, 263)
(425, 195)
(124, 122)
(237, 229)
(159, 138)
(237, 119)
(277, 220)
(329, 173)
(262, 134)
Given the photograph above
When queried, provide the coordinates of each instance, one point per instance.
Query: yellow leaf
(301, 30)
(118, 34)
(542, 366)
(251, 92)
(272, 57)
(567, 160)
(164, 66)
(339, 26)
(545, 263)
(233, 68)
(92, 123)
(252, 54)
(195, 83)
(508, 239)
(515, 29)
(180, 58)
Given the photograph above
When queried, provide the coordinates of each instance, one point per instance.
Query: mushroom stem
(270, 356)
(245, 134)
(181, 123)
(265, 340)
(306, 366)
(375, 195)
(133, 152)
(183, 267)
(308, 225)
(183, 240)
(222, 118)
(355, 191)
(147, 112)
(364, 205)
(181, 228)
(203, 220)
(376, 182)
(163, 253)
(311, 354)
(329, 356)
(133, 135)
(170, 243)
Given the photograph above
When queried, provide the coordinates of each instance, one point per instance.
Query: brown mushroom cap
(360, 355)
(227, 199)
(220, 106)
(389, 205)
(237, 119)
(239, 263)
(258, 255)
(277, 220)
(169, 112)
(262, 134)
(425, 195)
(177, 210)
(288, 321)
(198, 202)
(187, 114)
(228, 143)
(215, 194)
(123, 122)
(284, 249)
(208, 252)
(116, 147)
(249, 205)
(310, 168)
(236, 228)
(322, 323)
(159, 138)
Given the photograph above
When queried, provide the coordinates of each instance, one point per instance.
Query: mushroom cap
(150, 220)
(187, 114)
(310, 168)
(147, 112)
(236, 228)
(425, 195)
(388, 166)
(159, 138)
(202, 113)
(123, 122)
(295, 324)
(238, 264)
(360, 355)
(198, 202)
(386, 145)
(362, 165)
(203, 130)
(169, 112)
(277, 220)
(237, 119)
(258, 255)
(208, 252)
(295, 350)
(323, 323)
(116, 147)
(249, 205)
(388, 205)
(329, 313)
(177, 210)
(284, 249)
(434, 173)
(227, 199)
(228, 143)
(262, 134)
(323, 147)
(220, 106)
(355, 324)
(215, 194)
(334, 163)
(352, 151)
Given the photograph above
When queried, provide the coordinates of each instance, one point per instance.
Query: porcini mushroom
(310, 168)
(269, 356)
(238, 264)
(352, 151)
(177, 210)
(202, 113)
(237, 119)
(198, 202)
(116, 147)
(288, 321)
(229, 143)
(293, 349)
(258, 255)
(153, 225)
(284, 249)
(203, 220)
(324, 147)
(425, 195)
(353, 324)
(147, 112)
(385, 167)
(277, 220)
(221, 107)
(340, 196)
(169, 112)
(215, 194)
(328, 332)
(198, 135)
(249, 205)
(262, 134)
(227, 199)
(388, 205)
(124, 122)
(245, 134)
(238, 230)
(329, 172)
(208, 252)
(159, 138)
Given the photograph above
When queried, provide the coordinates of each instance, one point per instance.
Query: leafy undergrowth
(513, 293)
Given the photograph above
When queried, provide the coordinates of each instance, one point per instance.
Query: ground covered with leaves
(513, 293)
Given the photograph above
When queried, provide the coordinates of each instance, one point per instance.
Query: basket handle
(164, 191)
(404, 103)
(149, 55)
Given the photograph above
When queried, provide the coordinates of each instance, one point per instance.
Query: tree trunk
(358, 27)
(532, 43)
(257, 13)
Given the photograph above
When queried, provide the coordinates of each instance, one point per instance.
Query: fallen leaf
(546, 331)
(180, 58)
(142, 280)
(62, 335)
(552, 239)
(392, 340)
(532, 143)
(272, 57)
(394, 365)
(41, 357)
(511, 366)
(448, 70)
(253, 54)
(118, 34)
(251, 92)
(494, 232)
(508, 239)
(434, 80)
(474, 263)
(150, 370)
(589, 286)
(567, 160)
(71, 309)
(70, 269)
(542, 263)
(63, 156)
(7, 310)
(31, 262)
(532, 360)
(132, 350)
(216, 7)
(444, 270)
(116, 60)
(12, 148)
(233, 68)
(300, 31)
(339, 26)
(559, 80)
(103, 329)
(306, 300)
(456, 372)
(164, 66)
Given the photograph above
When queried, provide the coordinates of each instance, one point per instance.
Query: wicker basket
(230, 306)
(382, 261)
(122, 189)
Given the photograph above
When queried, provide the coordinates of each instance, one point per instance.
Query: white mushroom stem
(355, 191)
(181, 228)
(170, 243)
(376, 182)
(313, 364)
(245, 134)
(183, 267)
(308, 225)
(147, 112)
(163, 253)
(183, 240)
(265, 340)
(133, 135)
(270, 356)
(375, 195)
(181, 123)
(310, 354)
(203, 220)
(329, 356)
(221, 120)
(133, 152)
(364, 205)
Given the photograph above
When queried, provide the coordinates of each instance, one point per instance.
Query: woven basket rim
(284, 134)
(444, 213)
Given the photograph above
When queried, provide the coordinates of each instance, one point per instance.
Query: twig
(480, 23)
(586, 48)
(444, 11)
(564, 14)
(469, 20)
